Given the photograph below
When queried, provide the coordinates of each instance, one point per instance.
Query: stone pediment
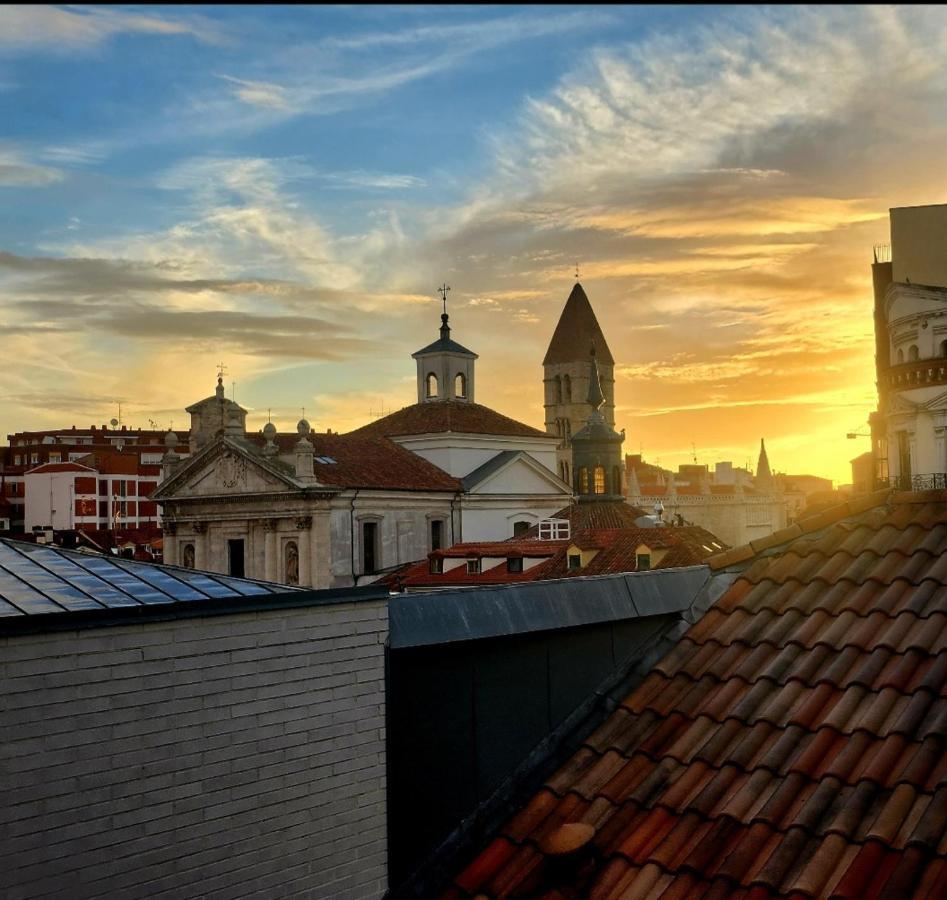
(225, 469)
(512, 472)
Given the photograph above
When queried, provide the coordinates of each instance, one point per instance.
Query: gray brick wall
(222, 757)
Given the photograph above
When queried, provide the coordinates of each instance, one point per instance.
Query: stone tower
(596, 448)
(214, 416)
(566, 376)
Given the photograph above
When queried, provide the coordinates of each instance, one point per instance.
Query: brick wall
(221, 757)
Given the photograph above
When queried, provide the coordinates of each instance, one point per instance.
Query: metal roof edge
(440, 617)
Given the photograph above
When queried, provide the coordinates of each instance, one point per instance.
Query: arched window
(291, 563)
(583, 480)
(912, 353)
(900, 356)
(943, 348)
(431, 385)
(460, 385)
(599, 479)
(187, 556)
(520, 528)
(558, 384)
(567, 387)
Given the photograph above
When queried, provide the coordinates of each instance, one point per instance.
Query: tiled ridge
(792, 744)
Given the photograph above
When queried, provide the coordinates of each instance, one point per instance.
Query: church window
(642, 562)
(187, 556)
(912, 353)
(558, 389)
(460, 385)
(291, 563)
(514, 564)
(599, 479)
(520, 528)
(369, 547)
(900, 356)
(583, 480)
(431, 390)
(567, 388)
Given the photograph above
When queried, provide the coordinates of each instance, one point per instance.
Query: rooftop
(791, 744)
(439, 416)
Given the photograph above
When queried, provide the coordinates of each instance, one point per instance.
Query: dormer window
(473, 566)
(642, 562)
(436, 566)
(431, 385)
(514, 564)
(575, 561)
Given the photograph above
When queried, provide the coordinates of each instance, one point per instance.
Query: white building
(331, 510)
(61, 497)
(910, 427)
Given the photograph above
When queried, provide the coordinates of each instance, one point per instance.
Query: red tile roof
(440, 416)
(362, 461)
(607, 514)
(792, 744)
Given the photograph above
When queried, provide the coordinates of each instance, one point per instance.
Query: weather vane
(442, 290)
(221, 371)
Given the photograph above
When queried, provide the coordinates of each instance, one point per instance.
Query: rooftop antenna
(443, 291)
(694, 452)
(269, 414)
(233, 391)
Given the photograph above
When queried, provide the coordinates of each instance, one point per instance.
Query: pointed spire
(577, 326)
(764, 477)
(596, 398)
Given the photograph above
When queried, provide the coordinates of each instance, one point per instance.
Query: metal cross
(221, 371)
(442, 290)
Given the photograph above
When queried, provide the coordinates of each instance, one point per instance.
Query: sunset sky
(284, 189)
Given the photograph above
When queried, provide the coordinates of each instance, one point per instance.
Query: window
(520, 528)
(554, 530)
(431, 385)
(151, 459)
(369, 547)
(18, 460)
(583, 480)
(599, 479)
(943, 348)
(900, 356)
(558, 389)
(575, 561)
(34, 457)
(912, 353)
(567, 388)
(235, 557)
(55, 457)
(514, 564)
(437, 534)
(643, 562)
(436, 565)
(473, 566)
(460, 385)
(616, 479)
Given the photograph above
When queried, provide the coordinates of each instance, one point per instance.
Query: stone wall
(222, 756)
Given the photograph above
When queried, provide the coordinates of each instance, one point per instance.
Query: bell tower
(566, 376)
(445, 368)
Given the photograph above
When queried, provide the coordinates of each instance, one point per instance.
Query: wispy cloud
(18, 171)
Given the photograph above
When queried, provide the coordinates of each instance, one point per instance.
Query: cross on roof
(221, 371)
(442, 290)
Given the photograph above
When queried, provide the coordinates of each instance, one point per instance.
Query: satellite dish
(113, 422)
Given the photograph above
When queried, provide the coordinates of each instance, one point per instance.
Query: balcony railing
(936, 481)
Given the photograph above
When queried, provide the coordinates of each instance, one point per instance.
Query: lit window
(599, 479)
(473, 566)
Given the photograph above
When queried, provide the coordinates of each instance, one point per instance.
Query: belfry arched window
(558, 383)
(600, 479)
(912, 353)
(431, 390)
(460, 385)
(583, 480)
(567, 388)
(616, 479)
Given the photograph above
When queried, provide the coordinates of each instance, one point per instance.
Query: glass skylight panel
(23, 597)
(8, 609)
(65, 568)
(141, 591)
(172, 587)
(46, 583)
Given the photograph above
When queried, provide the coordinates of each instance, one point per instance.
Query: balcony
(918, 373)
(936, 481)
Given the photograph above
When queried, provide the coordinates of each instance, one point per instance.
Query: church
(328, 510)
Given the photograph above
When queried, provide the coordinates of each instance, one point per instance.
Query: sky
(282, 189)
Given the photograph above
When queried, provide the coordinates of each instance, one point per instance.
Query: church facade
(331, 510)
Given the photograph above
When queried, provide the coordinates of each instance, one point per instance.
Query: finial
(577, 270)
(443, 291)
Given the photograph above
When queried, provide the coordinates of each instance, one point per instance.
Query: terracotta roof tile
(439, 416)
(792, 744)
